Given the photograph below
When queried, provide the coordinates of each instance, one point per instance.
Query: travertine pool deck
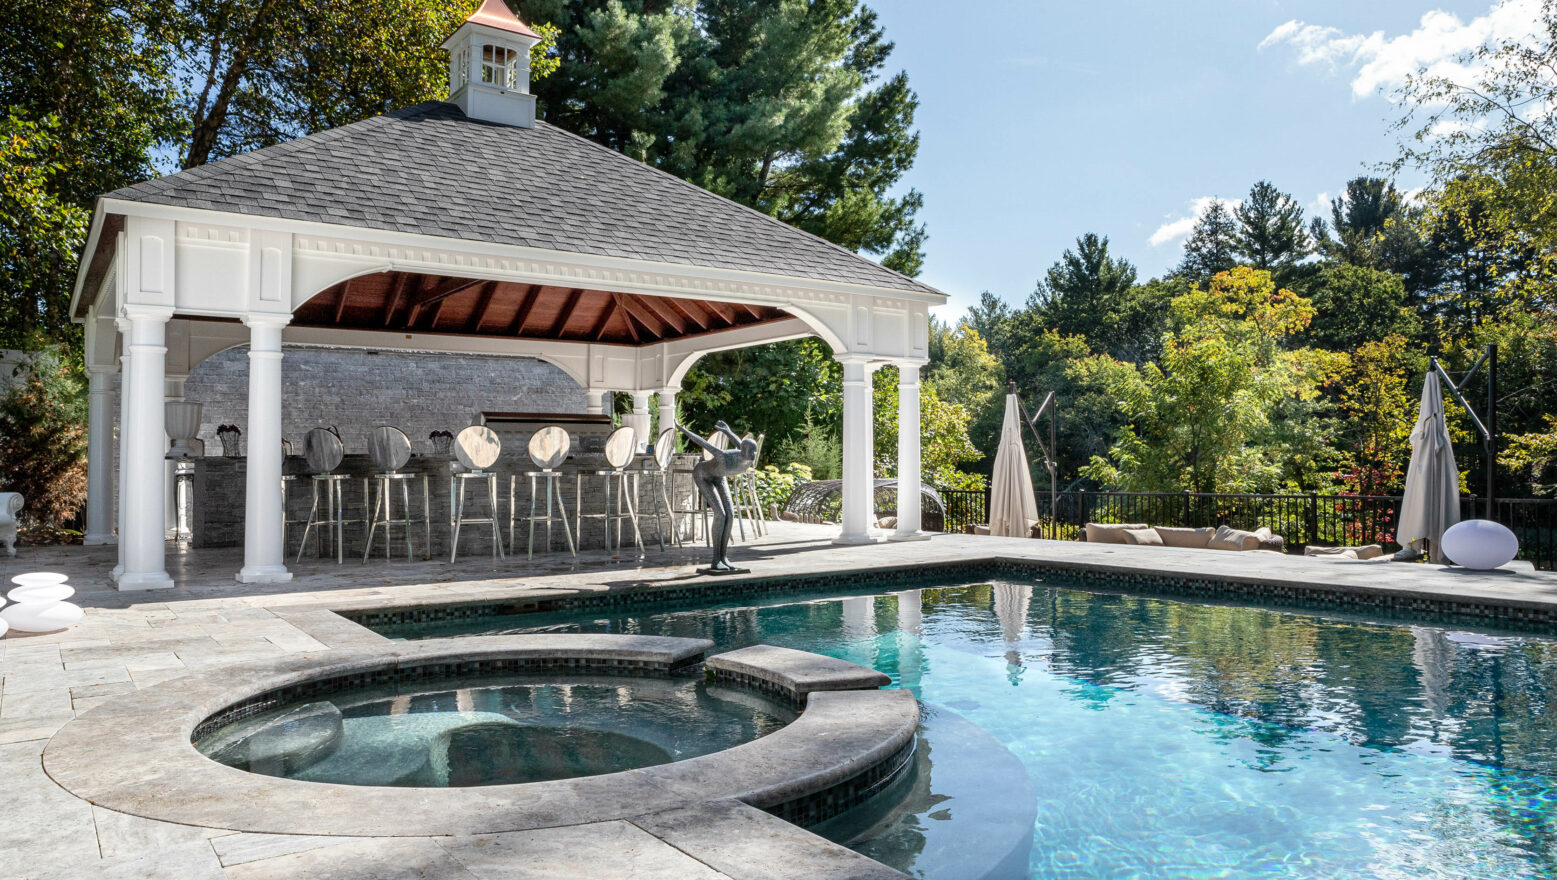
(130, 641)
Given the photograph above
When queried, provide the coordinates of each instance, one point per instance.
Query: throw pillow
(1110, 533)
(1142, 537)
(1228, 538)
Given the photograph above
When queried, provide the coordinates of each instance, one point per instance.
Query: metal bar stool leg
(563, 516)
(367, 546)
(313, 511)
(459, 516)
(529, 552)
(497, 533)
(405, 510)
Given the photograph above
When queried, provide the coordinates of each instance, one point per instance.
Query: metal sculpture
(712, 476)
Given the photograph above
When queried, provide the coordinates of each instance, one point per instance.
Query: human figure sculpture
(712, 476)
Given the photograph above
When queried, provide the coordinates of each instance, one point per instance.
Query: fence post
(1313, 518)
(1081, 510)
(1189, 515)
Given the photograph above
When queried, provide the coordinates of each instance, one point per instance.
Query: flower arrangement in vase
(441, 441)
(229, 435)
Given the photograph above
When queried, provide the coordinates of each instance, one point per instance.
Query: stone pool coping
(133, 754)
(1505, 596)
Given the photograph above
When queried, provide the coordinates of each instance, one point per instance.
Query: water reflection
(1165, 739)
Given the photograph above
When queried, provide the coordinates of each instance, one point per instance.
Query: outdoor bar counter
(217, 503)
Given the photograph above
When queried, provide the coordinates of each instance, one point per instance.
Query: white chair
(11, 504)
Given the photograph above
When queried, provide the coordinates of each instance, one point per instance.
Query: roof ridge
(749, 209)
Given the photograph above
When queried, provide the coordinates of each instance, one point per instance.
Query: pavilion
(464, 226)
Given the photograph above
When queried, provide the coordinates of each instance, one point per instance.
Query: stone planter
(183, 425)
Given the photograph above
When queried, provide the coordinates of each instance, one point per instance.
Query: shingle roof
(429, 169)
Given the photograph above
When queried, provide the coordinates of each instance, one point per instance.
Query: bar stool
(476, 447)
(658, 469)
(618, 454)
(747, 501)
(548, 447)
(323, 449)
(391, 449)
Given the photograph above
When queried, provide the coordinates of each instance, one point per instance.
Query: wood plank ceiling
(407, 302)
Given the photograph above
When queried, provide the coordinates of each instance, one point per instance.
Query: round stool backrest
(323, 450)
(549, 446)
(717, 440)
(390, 448)
(665, 448)
(477, 447)
(619, 447)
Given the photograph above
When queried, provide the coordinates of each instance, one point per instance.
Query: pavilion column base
(909, 536)
(99, 540)
(852, 540)
(264, 574)
(143, 580)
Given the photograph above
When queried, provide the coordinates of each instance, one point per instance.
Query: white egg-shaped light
(42, 593)
(1480, 544)
(39, 578)
(41, 617)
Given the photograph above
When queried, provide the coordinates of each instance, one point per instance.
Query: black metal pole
(1492, 430)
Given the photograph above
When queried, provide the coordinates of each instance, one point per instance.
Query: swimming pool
(1144, 737)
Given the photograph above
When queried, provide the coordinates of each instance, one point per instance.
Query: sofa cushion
(1270, 541)
(1194, 539)
(1142, 537)
(1110, 533)
(1367, 551)
(1228, 538)
(1330, 552)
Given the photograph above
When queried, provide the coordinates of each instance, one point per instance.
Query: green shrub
(775, 486)
(43, 440)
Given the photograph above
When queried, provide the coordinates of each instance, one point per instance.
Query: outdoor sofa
(1219, 538)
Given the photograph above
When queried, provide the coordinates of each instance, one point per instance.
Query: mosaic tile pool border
(1283, 596)
(817, 807)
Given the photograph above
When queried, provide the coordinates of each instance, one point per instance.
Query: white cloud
(1179, 228)
(1380, 63)
(1320, 206)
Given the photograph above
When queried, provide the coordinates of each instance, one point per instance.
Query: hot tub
(462, 731)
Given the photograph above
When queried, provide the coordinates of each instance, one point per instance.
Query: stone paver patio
(130, 641)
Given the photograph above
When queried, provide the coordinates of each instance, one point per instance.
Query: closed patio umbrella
(1432, 502)
(1012, 506)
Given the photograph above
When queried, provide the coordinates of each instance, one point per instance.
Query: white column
(858, 482)
(123, 326)
(263, 554)
(100, 457)
(639, 420)
(597, 401)
(141, 492)
(908, 463)
(668, 411)
(175, 394)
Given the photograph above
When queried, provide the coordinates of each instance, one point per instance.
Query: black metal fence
(965, 508)
(1324, 520)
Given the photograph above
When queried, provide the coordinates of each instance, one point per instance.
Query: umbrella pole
(1487, 430)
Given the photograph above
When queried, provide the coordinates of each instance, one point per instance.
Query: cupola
(489, 66)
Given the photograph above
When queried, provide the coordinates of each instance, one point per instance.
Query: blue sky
(1043, 120)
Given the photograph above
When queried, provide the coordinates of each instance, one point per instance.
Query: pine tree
(1211, 247)
(1270, 232)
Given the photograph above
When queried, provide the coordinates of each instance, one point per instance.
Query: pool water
(469, 732)
(1108, 736)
